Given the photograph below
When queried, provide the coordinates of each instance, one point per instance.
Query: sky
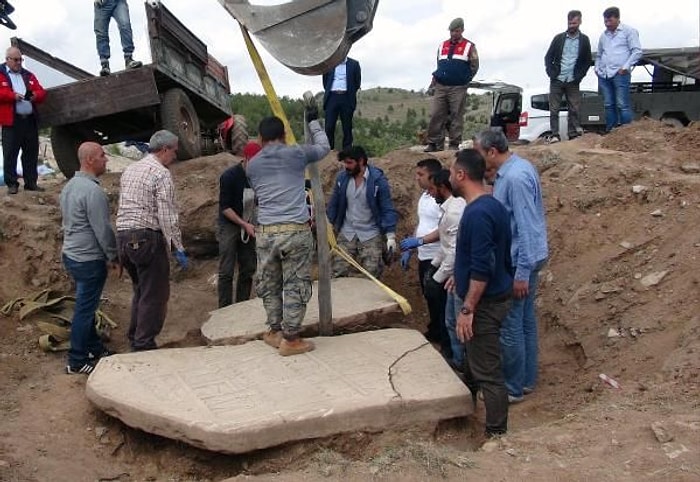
(512, 37)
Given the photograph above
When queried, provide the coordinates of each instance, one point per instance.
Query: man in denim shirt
(618, 50)
(517, 186)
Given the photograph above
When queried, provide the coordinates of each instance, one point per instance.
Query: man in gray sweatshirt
(283, 235)
(89, 249)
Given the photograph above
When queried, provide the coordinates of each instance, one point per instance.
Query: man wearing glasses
(20, 92)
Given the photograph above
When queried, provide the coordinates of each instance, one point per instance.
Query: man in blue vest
(457, 64)
(340, 98)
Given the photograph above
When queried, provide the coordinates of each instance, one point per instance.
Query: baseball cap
(456, 23)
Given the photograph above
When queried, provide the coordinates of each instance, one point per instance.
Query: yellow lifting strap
(277, 110)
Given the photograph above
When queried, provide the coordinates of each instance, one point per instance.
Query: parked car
(534, 116)
(524, 114)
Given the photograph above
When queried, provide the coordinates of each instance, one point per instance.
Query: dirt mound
(619, 297)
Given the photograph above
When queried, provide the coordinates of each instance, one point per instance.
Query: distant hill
(394, 104)
(386, 118)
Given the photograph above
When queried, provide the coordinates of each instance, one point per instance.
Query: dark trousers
(557, 89)
(338, 105)
(24, 135)
(144, 255)
(89, 277)
(436, 297)
(447, 111)
(233, 251)
(483, 368)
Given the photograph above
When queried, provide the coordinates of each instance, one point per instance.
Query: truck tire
(238, 135)
(64, 143)
(177, 114)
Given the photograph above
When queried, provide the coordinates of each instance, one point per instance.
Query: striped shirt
(147, 201)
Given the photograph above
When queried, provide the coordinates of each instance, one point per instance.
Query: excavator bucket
(308, 36)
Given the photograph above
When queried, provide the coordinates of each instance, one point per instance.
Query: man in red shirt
(20, 92)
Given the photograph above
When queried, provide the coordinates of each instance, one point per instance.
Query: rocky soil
(619, 297)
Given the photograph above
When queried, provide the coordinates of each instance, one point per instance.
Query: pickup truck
(672, 96)
(184, 90)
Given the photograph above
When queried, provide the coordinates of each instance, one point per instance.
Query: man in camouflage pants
(283, 234)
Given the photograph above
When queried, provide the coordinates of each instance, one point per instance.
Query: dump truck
(184, 89)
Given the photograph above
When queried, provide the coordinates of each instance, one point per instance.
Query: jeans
(616, 98)
(557, 89)
(233, 251)
(519, 340)
(119, 10)
(89, 277)
(452, 307)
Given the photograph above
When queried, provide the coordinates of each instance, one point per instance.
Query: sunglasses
(16, 59)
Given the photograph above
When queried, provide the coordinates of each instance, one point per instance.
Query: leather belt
(282, 228)
(24, 116)
(338, 91)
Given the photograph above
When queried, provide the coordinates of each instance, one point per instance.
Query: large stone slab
(357, 303)
(235, 399)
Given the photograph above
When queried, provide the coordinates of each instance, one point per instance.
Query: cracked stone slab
(235, 399)
(357, 302)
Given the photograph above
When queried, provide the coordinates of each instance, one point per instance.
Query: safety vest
(454, 68)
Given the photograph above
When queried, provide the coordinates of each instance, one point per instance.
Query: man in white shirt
(428, 216)
(451, 213)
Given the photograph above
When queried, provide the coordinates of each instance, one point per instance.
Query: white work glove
(391, 243)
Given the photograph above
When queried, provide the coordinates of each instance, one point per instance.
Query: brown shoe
(272, 338)
(295, 347)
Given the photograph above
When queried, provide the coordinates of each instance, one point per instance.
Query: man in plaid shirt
(147, 229)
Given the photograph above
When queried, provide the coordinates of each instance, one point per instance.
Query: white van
(524, 114)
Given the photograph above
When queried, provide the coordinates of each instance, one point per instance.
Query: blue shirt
(483, 248)
(518, 188)
(617, 50)
(569, 55)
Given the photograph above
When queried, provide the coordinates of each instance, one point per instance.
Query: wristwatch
(465, 310)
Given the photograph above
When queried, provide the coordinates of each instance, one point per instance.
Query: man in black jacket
(567, 61)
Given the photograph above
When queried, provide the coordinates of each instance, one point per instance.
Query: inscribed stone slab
(235, 399)
(357, 302)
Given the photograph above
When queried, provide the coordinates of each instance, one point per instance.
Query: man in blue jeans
(89, 248)
(618, 51)
(517, 187)
(105, 10)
